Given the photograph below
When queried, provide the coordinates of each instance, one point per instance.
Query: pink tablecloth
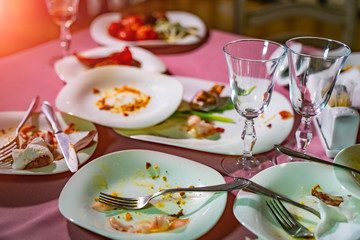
(29, 204)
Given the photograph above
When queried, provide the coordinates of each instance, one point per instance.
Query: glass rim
(319, 38)
(256, 40)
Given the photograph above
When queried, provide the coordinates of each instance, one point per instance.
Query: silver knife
(64, 142)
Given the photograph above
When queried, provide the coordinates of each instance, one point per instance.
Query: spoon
(206, 101)
(301, 155)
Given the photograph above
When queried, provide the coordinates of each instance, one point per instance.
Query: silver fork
(140, 202)
(287, 220)
(6, 150)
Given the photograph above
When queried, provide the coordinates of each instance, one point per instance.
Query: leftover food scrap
(285, 115)
(203, 98)
(350, 66)
(138, 27)
(158, 223)
(35, 155)
(117, 58)
(123, 100)
(198, 128)
(327, 199)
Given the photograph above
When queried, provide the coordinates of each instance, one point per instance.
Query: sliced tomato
(132, 21)
(126, 34)
(146, 32)
(114, 28)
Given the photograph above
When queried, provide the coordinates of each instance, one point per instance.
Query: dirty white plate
(77, 97)
(69, 67)
(99, 32)
(294, 180)
(124, 172)
(270, 127)
(10, 120)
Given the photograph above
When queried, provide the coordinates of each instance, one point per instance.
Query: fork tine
(8, 146)
(286, 213)
(278, 214)
(6, 164)
(4, 155)
(6, 158)
(287, 220)
(117, 199)
(117, 204)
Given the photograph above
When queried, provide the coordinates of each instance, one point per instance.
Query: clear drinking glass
(63, 13)
(253, 66)
(313, 72)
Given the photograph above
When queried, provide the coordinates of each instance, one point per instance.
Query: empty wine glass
(253, 66)
(63, 13)
(313, 70)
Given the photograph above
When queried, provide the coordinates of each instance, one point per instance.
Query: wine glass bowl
(63, 13)
(313, 72)
(253, 66)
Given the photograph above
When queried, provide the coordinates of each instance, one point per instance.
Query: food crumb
(164, 178)
(128, 216)
(147, 165)
(285, 115)
(156, 167)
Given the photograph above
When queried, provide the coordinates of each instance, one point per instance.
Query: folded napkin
(341, 222)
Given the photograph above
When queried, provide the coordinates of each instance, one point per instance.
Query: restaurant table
(29, 204)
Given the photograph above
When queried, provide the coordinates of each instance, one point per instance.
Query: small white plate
(349, 156)
(77, 97)
(10, 120)
(124, 172)
(99, 32)
(270, 128)
(69, 67)
(294, 180)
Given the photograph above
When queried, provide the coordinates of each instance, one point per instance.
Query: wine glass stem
(249, 138)
(65, 39)
(303, 134)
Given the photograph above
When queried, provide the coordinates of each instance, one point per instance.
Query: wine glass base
(235, 166)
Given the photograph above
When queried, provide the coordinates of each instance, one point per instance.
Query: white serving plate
(10, 120)
(99, 33)
(124, 172)
(77, 97)
(228, 142)
(69, 67)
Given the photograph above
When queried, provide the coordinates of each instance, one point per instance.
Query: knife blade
(64, 142)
